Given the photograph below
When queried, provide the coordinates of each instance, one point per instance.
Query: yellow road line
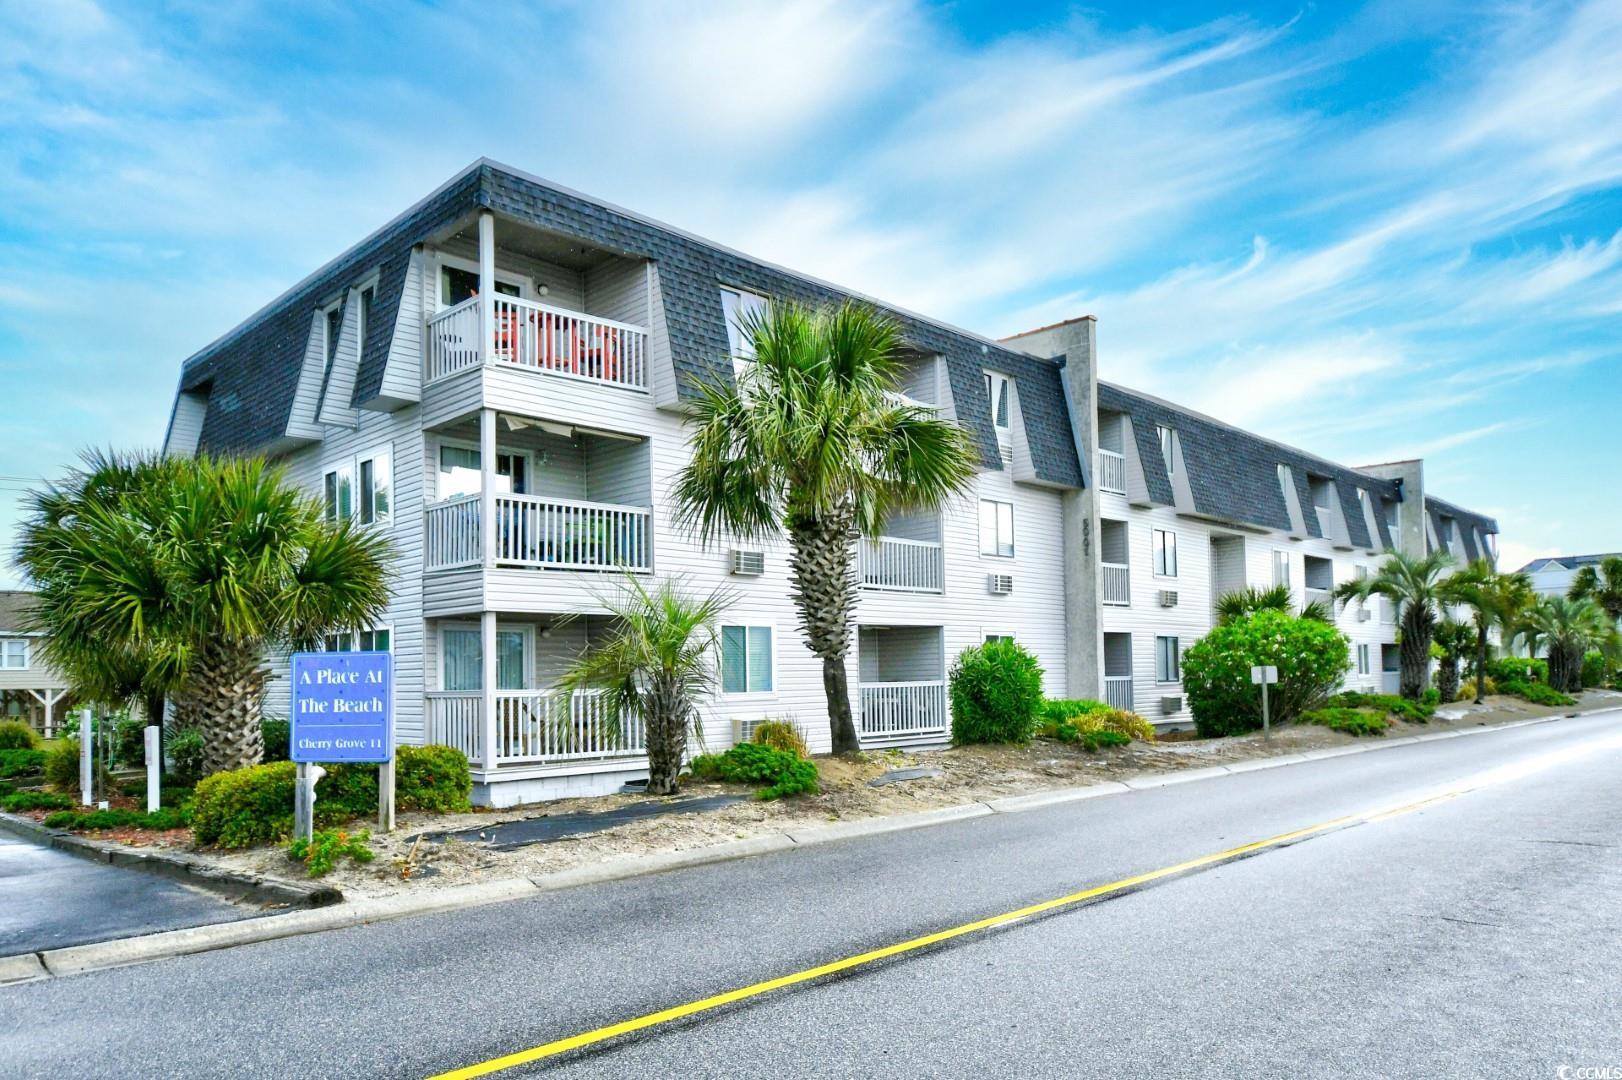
(693, 1008)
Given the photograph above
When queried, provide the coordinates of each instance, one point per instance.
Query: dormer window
(1168, 447)
(741, 309)
(997, 392)
(1321, 488)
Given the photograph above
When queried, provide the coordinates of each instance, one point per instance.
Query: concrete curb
(109, 954)
(257, 890)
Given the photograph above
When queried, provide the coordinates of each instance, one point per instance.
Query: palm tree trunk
(1415, 651)
(667, 738)
(1447, 679)
(824, 576)
(1481, 662)
(222, 698)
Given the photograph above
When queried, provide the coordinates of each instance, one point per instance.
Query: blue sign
(343, 706)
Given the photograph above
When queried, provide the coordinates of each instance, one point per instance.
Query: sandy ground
(405, 861)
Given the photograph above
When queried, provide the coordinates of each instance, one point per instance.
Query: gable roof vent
(999, 584)
(748, 563)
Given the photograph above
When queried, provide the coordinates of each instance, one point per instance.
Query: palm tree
(1454, 640)
(1566, 629)
(1415, 589)
(656, 666)
(811, 440)
(1601, 584)
(1494, 599)
(1245, 602)
(187, 571)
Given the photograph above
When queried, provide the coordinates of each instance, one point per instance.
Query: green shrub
(1311, 657)
(1056, 709)
(1351, 721)
(1536, 693)
(1467, 689)
(129, 741)
(278, 735)
(1431, 697)
(16, 735)
(1069, 720)
(996, 694)
(87, 821)
(322, 851)
(1518, 669)
(1414, 712)
(185, 749)
(25, 762)
(62, 765)
(35, 800)
(1595, 670)
(1093, 741)
(780, 735)
(781, 771)
(434, 779)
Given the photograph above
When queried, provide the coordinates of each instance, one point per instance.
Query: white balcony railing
(1111, 471)
(541, 338)
(892, 711)
(903, 565)
(555, 534)
(534, 726)
(1317, 596)
(1115, 584)
(1118, 691)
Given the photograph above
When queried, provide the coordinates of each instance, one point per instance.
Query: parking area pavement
(49, 900)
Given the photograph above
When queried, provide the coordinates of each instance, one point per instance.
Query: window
(1364, 665)
(338, 487)
(1281, 568)
(456, 285)
(1168, 665)
(746, 659)
(1321, 489)
(14, 654)
(997, 528)
(997, 635)
(1165, 545)
(1168, 447)
(374, 640)
(740, 309)
(461, 658)
(364, 318)
(373, 471)
(997, 392)
(334, 327)
(459, 471)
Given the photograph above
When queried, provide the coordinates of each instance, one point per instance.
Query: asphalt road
(50, 900)
(1476, 936)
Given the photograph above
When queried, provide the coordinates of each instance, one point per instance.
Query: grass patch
(1349, 720)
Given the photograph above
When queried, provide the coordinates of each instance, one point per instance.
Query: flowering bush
(996, 694)
(1311, 656)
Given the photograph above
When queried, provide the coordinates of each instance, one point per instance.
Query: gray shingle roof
(1570, 562)
(13, 607)
(1234, 474)
(251, 373)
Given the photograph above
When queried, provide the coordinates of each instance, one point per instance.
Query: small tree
(1567, 629)
(996, 694)
(1601, 584)
(1242, 603)
(1312, 658)
(1494, 599)
(1415, 589)
(657, 665)
(1453, 641)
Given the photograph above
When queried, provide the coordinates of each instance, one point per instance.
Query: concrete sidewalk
(52, 900)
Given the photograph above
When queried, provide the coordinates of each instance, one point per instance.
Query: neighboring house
(30, 689)
(496, 379)
(1553, 576)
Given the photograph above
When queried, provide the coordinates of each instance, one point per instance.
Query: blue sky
(1374, 232)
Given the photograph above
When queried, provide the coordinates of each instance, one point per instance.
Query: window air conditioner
(748, 563)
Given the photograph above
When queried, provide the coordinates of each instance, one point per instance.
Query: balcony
(1118, 691)
(533, 727)
(893, 712)
(539, 532)
(1115, 584)
(901, 565)
(1111, 471)
(1317, 596)
(537, 337)
(902, 689)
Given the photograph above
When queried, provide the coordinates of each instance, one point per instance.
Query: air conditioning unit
(1168, 597)
(744, 730)
(1171, 704)
(748, 563)
(999, 584)
(1364, 614)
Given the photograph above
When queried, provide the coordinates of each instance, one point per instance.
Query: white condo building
(496, 379)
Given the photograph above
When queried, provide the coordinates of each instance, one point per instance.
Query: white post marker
(1262, 676)
(385, 796)
(306, 777)
(154, 768)
(87, 755)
